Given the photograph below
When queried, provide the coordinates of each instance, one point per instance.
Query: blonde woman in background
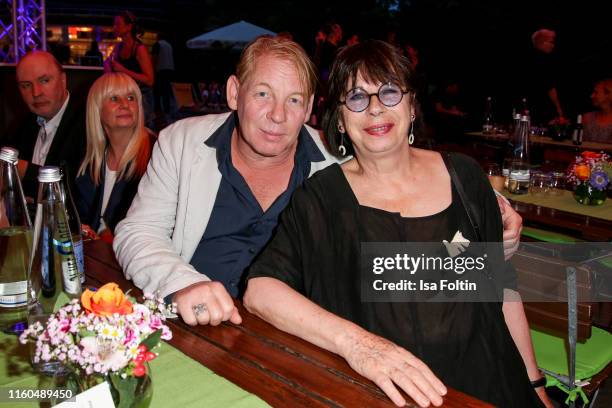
(118, 151)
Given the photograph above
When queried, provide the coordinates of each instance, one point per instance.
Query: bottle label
(72, 282)
(522, 175)
(13, 294)
(65, 250)
(80, 259)
(10, 301)
(48, 277)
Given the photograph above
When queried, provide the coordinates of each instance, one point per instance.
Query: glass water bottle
(15, 245)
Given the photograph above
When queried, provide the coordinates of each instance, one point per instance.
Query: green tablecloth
(178, 381)
(565, 202)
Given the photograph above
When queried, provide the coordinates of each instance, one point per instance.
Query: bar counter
(545, 141)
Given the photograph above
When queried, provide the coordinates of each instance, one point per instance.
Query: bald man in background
(54, 131)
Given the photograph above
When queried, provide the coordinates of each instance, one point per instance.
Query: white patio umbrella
(235, 35)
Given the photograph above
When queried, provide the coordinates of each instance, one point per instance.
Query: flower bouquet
(104, 337)
(590, 172)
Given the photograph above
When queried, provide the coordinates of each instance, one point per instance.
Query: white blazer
(168, 217)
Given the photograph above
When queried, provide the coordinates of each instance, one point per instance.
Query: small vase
(130, 392)
(587, 195)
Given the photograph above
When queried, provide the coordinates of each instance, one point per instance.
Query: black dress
(316, 250)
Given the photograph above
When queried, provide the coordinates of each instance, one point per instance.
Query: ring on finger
(199, 308)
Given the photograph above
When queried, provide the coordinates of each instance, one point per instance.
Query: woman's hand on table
(206, 303)
(390, 366)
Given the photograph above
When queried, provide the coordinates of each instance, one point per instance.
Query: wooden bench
(544, 278)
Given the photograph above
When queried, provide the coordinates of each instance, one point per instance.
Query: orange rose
(583, 172)
(590, 155)
(107, 300)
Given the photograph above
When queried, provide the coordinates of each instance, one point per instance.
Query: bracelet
(540, 382)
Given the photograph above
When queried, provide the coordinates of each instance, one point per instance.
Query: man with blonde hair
(216, 184)
(541, 77)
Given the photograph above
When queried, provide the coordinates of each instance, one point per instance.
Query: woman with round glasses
(308, 281)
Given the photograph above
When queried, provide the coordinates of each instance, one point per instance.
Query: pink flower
(156, 322)
(130, 336)
(90, 345)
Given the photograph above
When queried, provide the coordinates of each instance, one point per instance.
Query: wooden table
(579, 226)
(278, 367)
(544, 140)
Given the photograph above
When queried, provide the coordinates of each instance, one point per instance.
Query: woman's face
(601, 96)
(120, 27)
(119, 111)
(379, 129)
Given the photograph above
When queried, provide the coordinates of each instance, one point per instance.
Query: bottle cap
(524, 118)
(8, 154)
(49, 174)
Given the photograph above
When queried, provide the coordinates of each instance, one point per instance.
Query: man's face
(42, 85)
(547, 43)
(272, 106)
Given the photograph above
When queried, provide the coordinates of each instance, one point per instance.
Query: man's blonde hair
(136, 155)
(281, 48)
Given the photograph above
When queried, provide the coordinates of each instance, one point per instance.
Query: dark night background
(482, 44)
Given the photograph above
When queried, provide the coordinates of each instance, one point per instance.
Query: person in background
(326, 54)
(427, 119)
(319, 39)
(598, 123)
(54, 131)
(164, 74)
(307, 281)
(285, 34)
(449, 111)
(353, 39)
(131, 57)
(328, 50)
(118, 151)
(541, 79)
(94, 54)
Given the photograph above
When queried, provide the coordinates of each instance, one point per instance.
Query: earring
(341, 148)
(411, 135)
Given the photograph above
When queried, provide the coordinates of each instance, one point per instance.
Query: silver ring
(199, 308)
